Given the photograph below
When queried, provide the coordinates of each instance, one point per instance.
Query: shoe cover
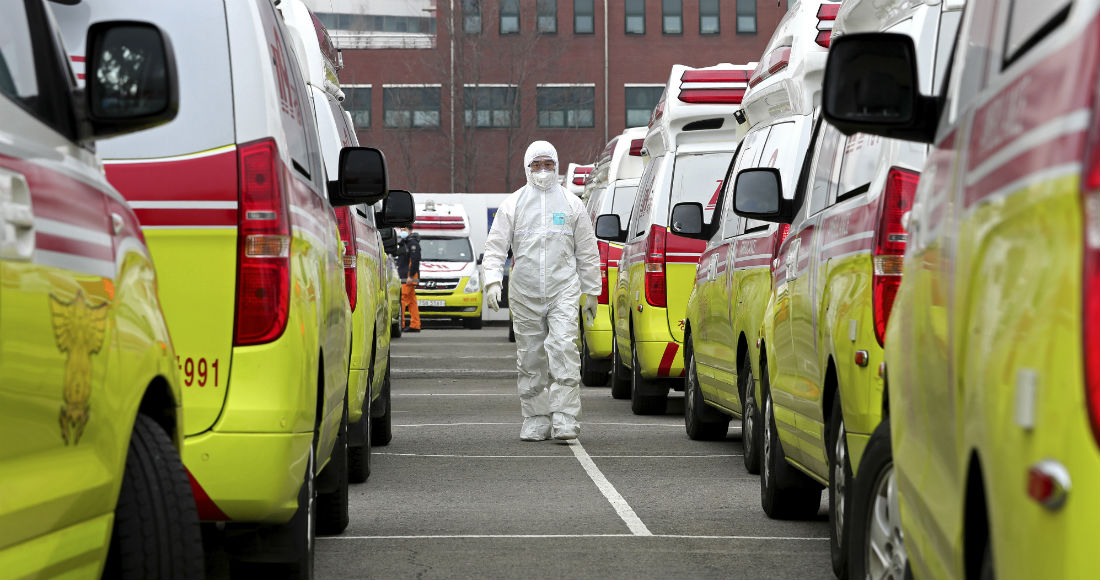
(566, 426)
(535, 428)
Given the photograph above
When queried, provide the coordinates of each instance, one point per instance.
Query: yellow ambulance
(450, 279)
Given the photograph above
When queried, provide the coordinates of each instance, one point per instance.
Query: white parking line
(452, 394)
(631, 519)
(568, 536)
(611, 424)
(461, 456)
(451, 356)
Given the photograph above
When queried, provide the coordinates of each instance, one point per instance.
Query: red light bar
(828, 11)
(715, 96)
(824, 37)
(578, 181)
(772, 63)
(715, 76)
(636, 147)
(585, 170)
(439, 218)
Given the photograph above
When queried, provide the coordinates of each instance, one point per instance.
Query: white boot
(566, 426)
(535, 428)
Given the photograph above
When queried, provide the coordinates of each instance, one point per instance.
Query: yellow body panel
(647, 324)
(455, 302)
(370, 323)
(597, 332)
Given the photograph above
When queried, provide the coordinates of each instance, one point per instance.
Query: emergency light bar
(432, 222)
(719, 87)
(580, 175)
(826, 15)
(773, 62)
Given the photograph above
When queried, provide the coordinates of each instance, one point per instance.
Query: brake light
(826, 15)
(655, 293)
(263, 245)
(604, 250)
(349, 253)
(773, 62)
(713, 86)
(784, 229)
(636, 147)
(890, 242)
(1090, 275)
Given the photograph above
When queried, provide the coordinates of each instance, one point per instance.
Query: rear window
(623, 200)
(445, 250)
(781, 151)
(699, 178)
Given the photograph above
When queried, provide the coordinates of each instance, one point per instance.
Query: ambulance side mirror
(870, 86)
(398, 209)
(131, 79)
(608, 228)
(758, 195)
(687, 220)
(362, 177)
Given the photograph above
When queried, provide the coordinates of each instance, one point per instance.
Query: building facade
(454, 90)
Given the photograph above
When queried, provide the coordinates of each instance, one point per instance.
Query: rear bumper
(250, 477)
(456, 304)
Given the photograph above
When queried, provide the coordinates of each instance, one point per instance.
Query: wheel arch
(830, 391)
(975, 518)
(159, 404)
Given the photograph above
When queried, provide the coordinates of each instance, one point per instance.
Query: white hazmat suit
(556, 260)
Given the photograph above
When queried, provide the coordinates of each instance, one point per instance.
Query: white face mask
(402, 234)
(543, 179)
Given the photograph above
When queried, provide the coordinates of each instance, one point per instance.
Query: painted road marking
(461, 456)
(449, 357)
(568, 536)
(515, 424)
(631, 519)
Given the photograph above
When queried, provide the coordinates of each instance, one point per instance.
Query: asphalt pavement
(456, 494)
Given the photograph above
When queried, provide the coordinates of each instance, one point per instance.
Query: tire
(332, 504)
(702, 422)
(874, 514)
(395, 330)
(641, 401)
(593, 372)
(785, 493)
(840, 483)
(472, 323)
(751, 422)
(620, 375)
(382, 426)
(156, 530)
(359, 455)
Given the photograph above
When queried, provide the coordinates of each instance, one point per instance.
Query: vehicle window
(731, 222)
(821, 182)
(623, 199)
(778, 152)
(859, 162)
(18, 78)
(644, 197)
(445, 250)
(1029, 21)
(945, 43)
(968, 67)
(698, 177)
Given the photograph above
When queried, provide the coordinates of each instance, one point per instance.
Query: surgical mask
(543, 179)
(402, 234)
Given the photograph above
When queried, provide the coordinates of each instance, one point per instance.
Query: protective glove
(590, 302)
(492, 296)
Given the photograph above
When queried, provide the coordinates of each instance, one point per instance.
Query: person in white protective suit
(555, 261)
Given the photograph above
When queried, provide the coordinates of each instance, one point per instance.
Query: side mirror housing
(608, 228)
(870, 86)
(758, 195)
(687, 221)
(131, 79)
(398, 210)
(362, 177)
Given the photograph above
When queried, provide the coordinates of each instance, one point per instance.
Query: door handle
(17, 215)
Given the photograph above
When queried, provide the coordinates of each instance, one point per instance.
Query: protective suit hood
(535, 150)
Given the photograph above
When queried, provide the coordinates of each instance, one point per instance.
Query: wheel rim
(840, 480)
(767, 439)
(748, 422)
(311, 531)
(689, 389)
(885, 553)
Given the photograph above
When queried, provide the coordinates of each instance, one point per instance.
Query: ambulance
(840, 267)
(991, 445)
(450, 281)
(688, 146)
(364, 277)
(611, 188)
(91, 481)
(237, 208)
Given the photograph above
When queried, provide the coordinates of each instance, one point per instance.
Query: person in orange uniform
(408, 267)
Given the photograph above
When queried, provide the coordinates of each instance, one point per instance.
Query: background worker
(555, 260)
(408, 267)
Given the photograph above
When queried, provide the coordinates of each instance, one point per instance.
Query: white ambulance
(450, 281)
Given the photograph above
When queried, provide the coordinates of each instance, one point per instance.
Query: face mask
(543, 179)
(402, 234)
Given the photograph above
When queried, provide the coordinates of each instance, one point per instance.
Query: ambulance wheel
(840, 487)
(643, 401)
(472, 323)
(620, 375)
(751, 432)
(381, 426)
(593, 372)
(156, 532)
(702, 422)
(332, 485)
(359, 455)
(785, 494)
(395, 330)
(875, 545)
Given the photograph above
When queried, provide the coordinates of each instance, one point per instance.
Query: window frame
(665, 14)
(539, 109)
(501, 15)
(467, 16)
(539, 15)
(626, 101)
(627, 14)
(739, 12)
(411, 125)
(590, 13)
(717, 18)
(348, 100)
(513, 110)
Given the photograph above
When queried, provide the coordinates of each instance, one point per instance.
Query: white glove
(492, 296)
(590, 302)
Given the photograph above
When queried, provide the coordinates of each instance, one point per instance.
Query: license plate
(431, 303)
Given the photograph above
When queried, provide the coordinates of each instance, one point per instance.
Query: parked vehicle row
(224, 310)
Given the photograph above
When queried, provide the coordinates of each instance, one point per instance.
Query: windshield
(445, 250)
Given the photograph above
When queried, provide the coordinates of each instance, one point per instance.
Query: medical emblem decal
(79, 329)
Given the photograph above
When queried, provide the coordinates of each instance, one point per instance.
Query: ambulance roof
(444, 220)
(875, 15)
(317, 55)
(787, 80)
(696, 109)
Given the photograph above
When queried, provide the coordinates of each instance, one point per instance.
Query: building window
(490, 106)
(571, 107)
(471, 16)
(746, 16)
(709, 17)
(584, 16)
(672, 16)
(357, 103)
(547, 16)
(640, 101)
(411, 107)
(635, 16)
(509, 16)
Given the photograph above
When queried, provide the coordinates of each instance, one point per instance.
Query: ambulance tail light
(350, 252)
(636, 147)
(263, 245)
(890, 241)
(826, 15)
(784, 230)
(604, 249)
(1090, 291)
(655, 291)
